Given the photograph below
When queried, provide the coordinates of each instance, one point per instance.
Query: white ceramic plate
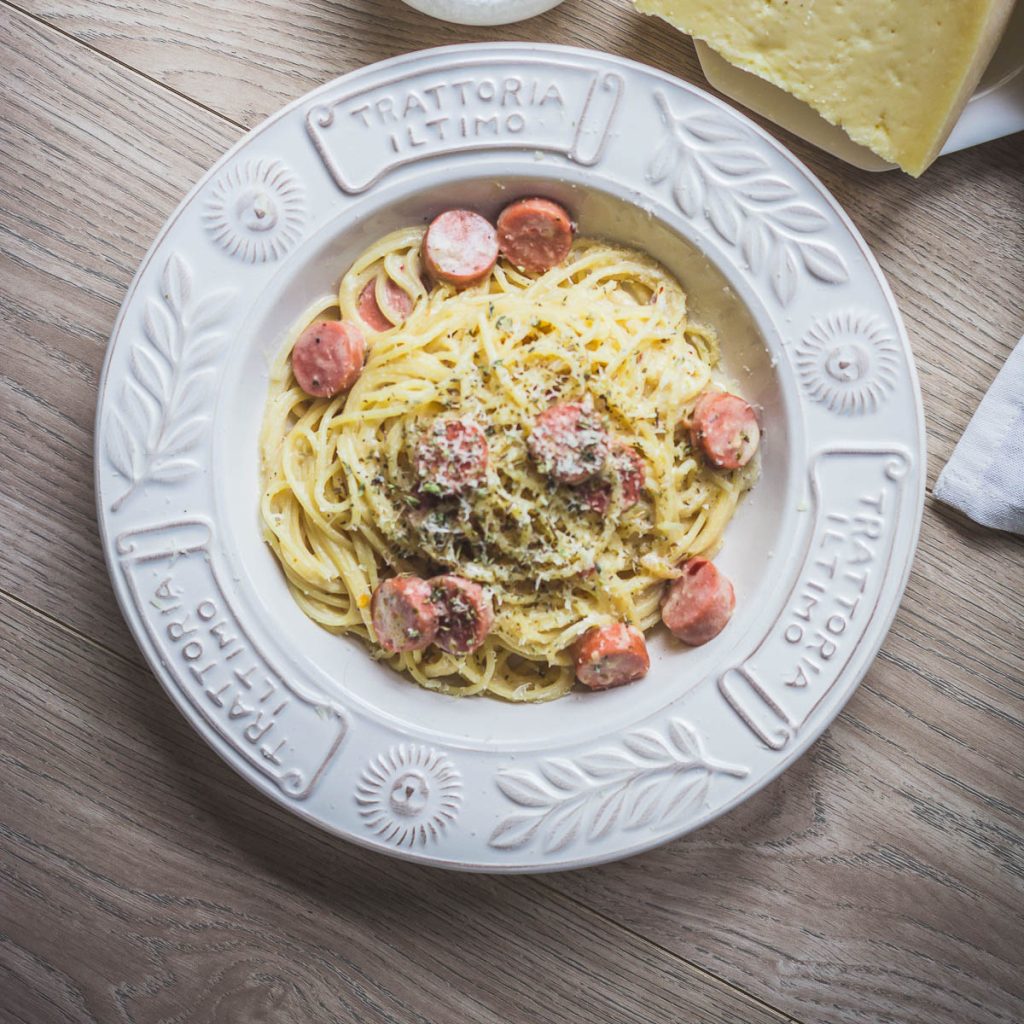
(819, 553)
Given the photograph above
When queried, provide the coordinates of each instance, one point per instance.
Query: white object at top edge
(483, 12)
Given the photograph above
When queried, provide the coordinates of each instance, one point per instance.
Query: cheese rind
(893, 74)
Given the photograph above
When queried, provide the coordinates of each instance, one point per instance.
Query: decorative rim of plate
(710, 175)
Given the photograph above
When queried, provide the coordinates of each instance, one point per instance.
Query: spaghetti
(342, 507)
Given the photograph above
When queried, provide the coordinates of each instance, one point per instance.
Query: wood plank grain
(247, 58)
(880, 879)
(950, 243)
(144, 881)
(94, 161)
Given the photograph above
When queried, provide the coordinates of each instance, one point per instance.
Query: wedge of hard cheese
(893, 74)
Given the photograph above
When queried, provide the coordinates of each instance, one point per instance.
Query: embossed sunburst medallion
(848, 362)
(256, 210)
(409, 795)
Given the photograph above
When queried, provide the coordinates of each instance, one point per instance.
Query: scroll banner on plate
(363, 132)
(288, 734)
(857, 498)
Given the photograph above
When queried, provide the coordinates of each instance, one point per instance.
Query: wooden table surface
(879, 879)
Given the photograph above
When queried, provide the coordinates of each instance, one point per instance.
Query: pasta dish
(535, 457)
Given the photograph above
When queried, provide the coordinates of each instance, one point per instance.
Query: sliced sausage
(629, 465)
(404, 617)
(725, 429)
(596, 497)
(460, 247)
(396, 298)
(328, 357)
(611, 655)
(632, 472)
(534, 234)
(569, 443)
(464, 614)
(451, 458)
(697, 605)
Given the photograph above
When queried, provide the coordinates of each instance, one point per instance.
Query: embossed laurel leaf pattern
(649, 781)
(714, 172)
(159, 418)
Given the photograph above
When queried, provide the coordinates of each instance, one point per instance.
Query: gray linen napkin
(985, 476)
